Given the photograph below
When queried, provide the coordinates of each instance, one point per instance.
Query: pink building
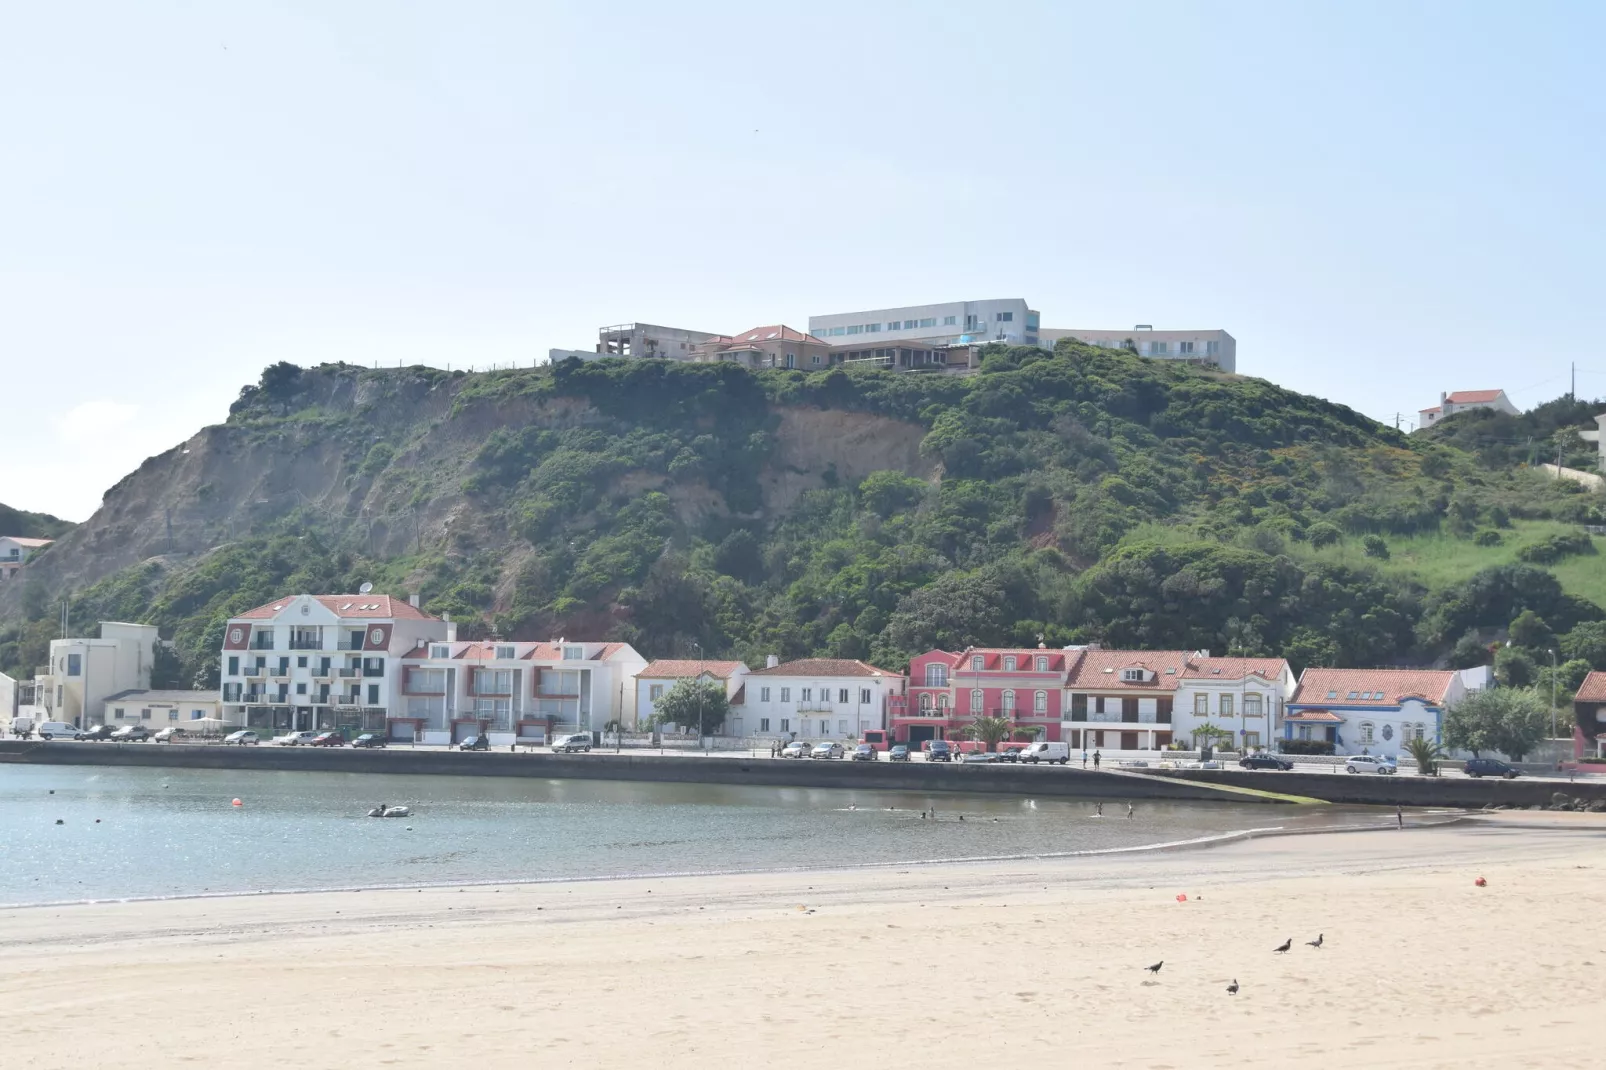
(948, 690)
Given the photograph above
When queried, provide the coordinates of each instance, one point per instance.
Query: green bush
(1550, 550)
(1374, 546)
(1488, 537)
(1305, 746)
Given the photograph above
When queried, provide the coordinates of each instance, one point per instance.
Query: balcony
(256, 674)
(350, 674)
(347, 644)
(815, 707)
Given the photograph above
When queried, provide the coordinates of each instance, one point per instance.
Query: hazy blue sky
(1379, 200)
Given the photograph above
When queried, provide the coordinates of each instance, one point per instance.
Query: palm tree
(1426, 754)
(990, 730)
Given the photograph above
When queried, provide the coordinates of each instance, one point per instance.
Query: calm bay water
(171, 832)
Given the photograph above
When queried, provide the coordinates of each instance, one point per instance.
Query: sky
(1379, 200)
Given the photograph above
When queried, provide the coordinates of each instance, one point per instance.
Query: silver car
(828, 749)
(1369, 763)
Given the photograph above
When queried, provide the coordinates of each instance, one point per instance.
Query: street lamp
(700, 732)
(1552, 694)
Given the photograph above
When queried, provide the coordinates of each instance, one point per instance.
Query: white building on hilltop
(1006, 320)
(15, 551)
(1214, 347)
(1462, 401)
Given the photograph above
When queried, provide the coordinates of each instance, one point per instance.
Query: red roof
(1434, 409)
(994, 658)
(1346, 686)
(1314, 717)
(32, 543)
(1472, 397)
(347, 606)
(690, 669)
(485, 650)
(1101, 669)
(823, 667)
(1234, 668)
(773, 333)
(1593, 689)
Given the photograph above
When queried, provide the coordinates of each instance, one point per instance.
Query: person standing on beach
(1129, 810)
(1095, 760)
(1399, 815)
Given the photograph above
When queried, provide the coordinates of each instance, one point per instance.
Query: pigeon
(1316, 943)
(1156, 967)
(1232, 989)
(1288, 943)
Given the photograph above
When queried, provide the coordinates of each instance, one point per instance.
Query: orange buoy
(1480, 882)
(236, 802)
(1182, 898)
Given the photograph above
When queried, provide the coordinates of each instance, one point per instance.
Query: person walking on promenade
(1084, 757)
(1399, 815)
(1095, 760)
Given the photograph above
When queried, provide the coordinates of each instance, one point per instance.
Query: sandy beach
(1019, 964)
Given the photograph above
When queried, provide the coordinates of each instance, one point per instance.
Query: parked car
(795, 749)
(244, 738)
(828, 749)
(328, 739)
(479, 742)
(131, 733)
(22, 727)
(940, 750)
(898, 753)
(580, 741)
(1481, 767)
(1046, 751)
(1265, 761)
(1368, 763)
(979, 757)
(98, 733)
(369, 739)
(295, 739)
(865, 753)
(58, 730)
(168, 734)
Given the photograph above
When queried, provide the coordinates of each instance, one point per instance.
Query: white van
(1044, 751)
(57, 730)
(21, 726)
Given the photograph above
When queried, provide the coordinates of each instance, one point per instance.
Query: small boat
(390, 811)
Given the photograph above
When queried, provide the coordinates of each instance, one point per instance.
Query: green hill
(31, 525)
(1083, 495)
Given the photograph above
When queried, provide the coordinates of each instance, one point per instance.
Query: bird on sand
(1316, 943)
(1232, 989)
(1156, 967)
(1288, 943)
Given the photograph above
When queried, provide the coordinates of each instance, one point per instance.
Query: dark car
(940, 751)
(865, 753)
(328, 739)
(479, 742)
(979, 757)
(99, 732)
(1265, 761)
(899, 753)
(369, 739)
(1009, 754)
(1477, 767)
(131, 733)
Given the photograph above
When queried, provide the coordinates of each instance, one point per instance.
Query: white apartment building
(1215, 347)
(816, 699)
(1597, 435)
(311, 662)
(15, 551)
(82, 672)
(449, 691)
(1007, 320)
(655, 680)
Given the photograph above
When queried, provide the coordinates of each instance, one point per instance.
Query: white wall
(842, 720)
(986, 328)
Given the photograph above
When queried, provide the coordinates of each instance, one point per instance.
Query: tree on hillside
(1587, 642)
(958, 610)
(1470, 651)
(991, 731)
(1508, 720)
(1514, 667)
(1530, 632)
(693, 703)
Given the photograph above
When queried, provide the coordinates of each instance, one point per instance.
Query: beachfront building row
(812, 698)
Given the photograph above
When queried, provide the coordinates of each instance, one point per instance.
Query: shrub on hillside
(1550, 550)
(1374, 546)
(1322, 534)
(1488, 537)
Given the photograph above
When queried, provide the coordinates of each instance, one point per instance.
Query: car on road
(245, 738)
(369, 739)
(58, 730)
(828, 749)
(1481, 767)
(295, 739)
(328, 739)
(99, 732)
(168, 734)
(979, 757)
(898, 753)
(1265, 761)
(131, 733)
(580, 741)
(1369, 763)
(1046, 751)
(479, 742)
(865, 753)
(795, 749)
(940, 750)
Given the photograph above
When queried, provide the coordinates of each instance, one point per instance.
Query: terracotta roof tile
(1101, 669)
(30, 543)
(1473, 397)
(1234, 668)
(1593, 689)
(689, 669)
(823, 667)
(1393, 684)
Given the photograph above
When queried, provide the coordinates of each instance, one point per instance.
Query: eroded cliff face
(380, 458)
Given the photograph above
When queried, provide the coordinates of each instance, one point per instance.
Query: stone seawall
(1372, 790)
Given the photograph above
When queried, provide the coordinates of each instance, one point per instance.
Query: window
(172, 715)
(301, 689)
(1332, 694)
(925, 703)
(1006, 317)
(1351, 695)
(1212, 348)
(373, 666)
(144, 715)
(841, 728)
(196, 715)
(284, 666)
(950, 321)
(1009, 702)
(929, 322)
(786, 724)
(910, 325)
(75, 664)
(1184, 347)
(842, 695)
(856, 329)
(1366, 732)
(373, 694)
(1009, 664)
(812, 360)
(440, 651)
(1226, 705)
(942, 702)
(655, 692)
(763, 694)
(864, 696)
(1251, 740)
(574, 653)
(1304, 731)
(786, 694)
(977, 663)
(1253, 704)
(1132, 676)
(234, 666)
(806, 695)
(975, 701)
(119, 713)
(301, 662)
(508, 653)
(763, 724)
(1157, 349)
(1201, 704)
(1040, 702)
(1042, 664)
(872, 328)
(837, 332)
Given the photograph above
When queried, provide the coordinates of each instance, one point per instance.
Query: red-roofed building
(1372, 711)
(817, 699)
(653, 681)
(774, 346)
(1461, 401)
(1589, 711)
(15, 551)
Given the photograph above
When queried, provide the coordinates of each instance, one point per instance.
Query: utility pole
(1552, 694)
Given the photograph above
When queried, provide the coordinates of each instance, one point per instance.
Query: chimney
(771, 661)
(451, 632)
(412, 600)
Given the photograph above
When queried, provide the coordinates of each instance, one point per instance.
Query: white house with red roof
(449, 691)
(817, 699)
(15, 551)
(1462, 400)
(331, 661)
(1372, 711)
(655, 680)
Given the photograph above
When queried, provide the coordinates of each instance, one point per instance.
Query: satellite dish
(365, 588)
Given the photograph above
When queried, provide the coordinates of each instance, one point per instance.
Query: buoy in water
(236, 802)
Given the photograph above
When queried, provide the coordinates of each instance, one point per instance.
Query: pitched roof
(163, 696)
(1593, 689)
(823, 667)
(690, 669)
(1234, 668)
(773, 332)
(33, 544)
(1472, 397)
(1100, 669)
(351, 606)
(1314, 717)
(1393, 685)
(1433, 409)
